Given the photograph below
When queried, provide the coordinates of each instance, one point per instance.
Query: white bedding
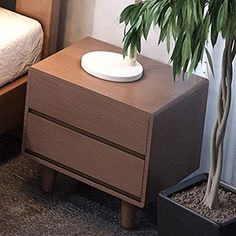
(21, 42)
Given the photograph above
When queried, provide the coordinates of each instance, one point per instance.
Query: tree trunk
(211, 198)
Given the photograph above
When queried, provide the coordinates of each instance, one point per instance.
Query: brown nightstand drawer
(85, 155)
(110, 120)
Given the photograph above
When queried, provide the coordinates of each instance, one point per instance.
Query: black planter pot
(177, 220)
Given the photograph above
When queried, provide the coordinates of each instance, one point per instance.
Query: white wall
(100, 19)
(76, 21)
(106, 27)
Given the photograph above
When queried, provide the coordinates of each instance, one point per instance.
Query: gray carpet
(73, 209)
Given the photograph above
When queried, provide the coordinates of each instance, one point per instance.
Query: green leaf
(167, 16)
(186, 49)
(214, 34)
(189, 22)
(194, 61)
(209, 58)
(221, 17)
(126, 12)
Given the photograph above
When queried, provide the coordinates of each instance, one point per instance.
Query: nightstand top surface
(156, 90)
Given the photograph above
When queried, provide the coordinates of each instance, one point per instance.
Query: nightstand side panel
(175, 143)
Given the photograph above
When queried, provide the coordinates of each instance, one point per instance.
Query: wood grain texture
(11, 86)
(127, 215)
(47, 13)
(48, 179)
(155, 90)
(94, 113)
(84, 179)
(12, 95)
(175, 144)
(12, 104)
(85, 155)
(171, 114)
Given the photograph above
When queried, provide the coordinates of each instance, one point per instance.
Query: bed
(12, 95)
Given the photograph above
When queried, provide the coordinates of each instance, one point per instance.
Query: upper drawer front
(86, 155)
(99, 115)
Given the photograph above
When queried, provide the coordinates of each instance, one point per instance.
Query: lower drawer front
(85, 155)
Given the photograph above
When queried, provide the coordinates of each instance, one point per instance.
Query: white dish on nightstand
(110, 66)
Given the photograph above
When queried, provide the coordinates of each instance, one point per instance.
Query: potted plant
(190, 23)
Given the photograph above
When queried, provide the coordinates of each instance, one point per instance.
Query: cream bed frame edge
(12, 95)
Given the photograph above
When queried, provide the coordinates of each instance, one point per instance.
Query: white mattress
(21, 42)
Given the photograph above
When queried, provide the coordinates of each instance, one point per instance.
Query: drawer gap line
(85, 133)
(81, 174)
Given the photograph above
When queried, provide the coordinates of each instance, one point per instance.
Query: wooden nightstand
(128, 139)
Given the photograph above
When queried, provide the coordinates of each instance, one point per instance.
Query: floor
(73, 209)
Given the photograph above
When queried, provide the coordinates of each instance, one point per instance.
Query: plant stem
(211, 198)
(131, 57)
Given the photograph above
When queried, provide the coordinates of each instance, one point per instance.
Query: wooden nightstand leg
(127, 215)
(48, 179)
